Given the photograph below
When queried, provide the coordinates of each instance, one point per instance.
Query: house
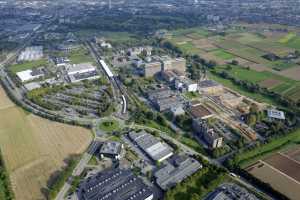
(111, 149)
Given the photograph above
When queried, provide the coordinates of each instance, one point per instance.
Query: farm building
(155, 149)
(83, 71)
(115, 184)
(175, 171)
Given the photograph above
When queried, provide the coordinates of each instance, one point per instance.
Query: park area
(34, 148)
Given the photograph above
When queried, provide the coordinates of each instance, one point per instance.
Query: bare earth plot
(270, 83)
(292, 73)
(34, 148)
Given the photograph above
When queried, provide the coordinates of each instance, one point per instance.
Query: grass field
(188, 48)
(223, 54)
(34, 148)
(80, 56)
(28, 65)
(287, 38)
(109, 125)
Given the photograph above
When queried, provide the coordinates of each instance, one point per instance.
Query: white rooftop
(276, 114)
(80, 68)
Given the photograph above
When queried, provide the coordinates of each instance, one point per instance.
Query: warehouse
(155, 149)
(178, 169)
(83, 71)
(115, 184)
(29, 75)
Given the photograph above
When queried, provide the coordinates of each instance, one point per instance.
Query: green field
(194, 31)
(281, 65)
(248, 38)
(28, 65)
(287, 38)
(188, 48)
(220, 53)
(247, 158)
(80, 56)
(109, 125)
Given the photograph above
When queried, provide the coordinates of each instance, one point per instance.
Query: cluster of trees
(184, 122)
(58, 179)
(6, 192)
(199, 184)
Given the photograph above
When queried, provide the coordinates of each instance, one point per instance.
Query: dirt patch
(292, 73)
(270, 83)
(277, 180)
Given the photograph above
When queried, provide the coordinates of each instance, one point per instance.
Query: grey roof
(114, 184)
(176, 171)
(112, 148)
(208, 83)
(155, 149)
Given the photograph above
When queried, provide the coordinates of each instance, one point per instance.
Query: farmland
(35, 147)
(248, 48)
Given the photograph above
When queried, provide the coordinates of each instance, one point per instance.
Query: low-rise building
(200, 112)
(31, 53)
(111, 149)
(210, 87)
(213, 139)
(31, 74)
(115, 184)
(155, 149)
(164, 99)
(175, 171)
(185, 84)
(276, 114)
(83, 71)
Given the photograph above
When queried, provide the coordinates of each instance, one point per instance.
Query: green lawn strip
(249, 157)
(28, 65)
(109, 125)
(288, 37)
(220, 53)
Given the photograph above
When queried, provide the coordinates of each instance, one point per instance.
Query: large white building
(29, 75)
(31, 53)
(83, 71)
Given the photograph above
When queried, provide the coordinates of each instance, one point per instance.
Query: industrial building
(152, 68)
(164, 99)
(31, 74)
(115, 184)
(155, 149)
(175, 171)
(211, 137)
(210, 87)
(83, 71)
(111, 150)
(31, 54)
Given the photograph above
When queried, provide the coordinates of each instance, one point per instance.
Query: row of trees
(6, 192)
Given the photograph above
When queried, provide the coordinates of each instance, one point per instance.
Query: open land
(248, 48)
(34, 148)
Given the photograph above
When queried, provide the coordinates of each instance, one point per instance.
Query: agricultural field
(34, 148)
(28, 65)
(223, 54)
(281, 170)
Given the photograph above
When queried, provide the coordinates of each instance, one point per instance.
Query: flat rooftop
(200, 111)
(82, 67)
(112, 148)
(155, 149)
(115, 184)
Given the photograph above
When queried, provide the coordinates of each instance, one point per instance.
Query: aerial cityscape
(149, 100)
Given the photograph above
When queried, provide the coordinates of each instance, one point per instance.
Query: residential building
(111, 149)
(155, 149)
(115, 184)
(210, 87)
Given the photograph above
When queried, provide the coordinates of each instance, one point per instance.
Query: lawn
(28, 65)
(109, 125)
(287, 38)
(80, 56)
(220, 53)
(247, 158)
